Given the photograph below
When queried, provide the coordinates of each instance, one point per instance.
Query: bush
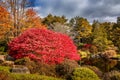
(5, 69)
(4, 73)
(21, 61)
(13, 76)
(110, 53)
(66, 68)
(44, 69)
(96, 70)
(118, 65)
(3, 45)
(84, 73)
(5, 76)
(37, 67)
(113, 75)
(83, 54)
(43, 45)
(32, 77)
(102, 60)
(93, 49)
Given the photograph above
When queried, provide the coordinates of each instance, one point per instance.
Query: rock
(110, 53)
(8, 63)
(2, 58)
(9, 58)
(20, 69)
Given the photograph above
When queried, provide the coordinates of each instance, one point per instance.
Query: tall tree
(16, 9)
(51, 19)
(108, 28)
(5, 23)
(100, 37)
(82, 29)
(21, 17)
(32, 20)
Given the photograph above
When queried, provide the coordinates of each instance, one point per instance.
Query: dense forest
(96, 43)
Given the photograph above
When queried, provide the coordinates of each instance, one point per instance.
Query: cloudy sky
(102, 10)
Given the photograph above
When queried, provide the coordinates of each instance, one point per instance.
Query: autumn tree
(32, 20)
(44, 46)
(21, 16)
(82, 29)
(16, 9)
(5, 23)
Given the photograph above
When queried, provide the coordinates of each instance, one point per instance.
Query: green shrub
(21, 61)
(13, 76)
(113, 75)
(6, 75)
(66, 68)
(96, 70)
(3, 53)
(37, 67)
(44, 69)
(84, 73)
(3, 46)
(32, 77)
(5, 69)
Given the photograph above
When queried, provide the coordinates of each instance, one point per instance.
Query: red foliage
(87, 46)
(43, 45)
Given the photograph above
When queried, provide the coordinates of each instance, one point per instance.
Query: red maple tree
(43, 45)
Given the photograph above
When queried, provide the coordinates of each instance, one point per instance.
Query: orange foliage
(5, 23)
(33, 20)
(7, 28)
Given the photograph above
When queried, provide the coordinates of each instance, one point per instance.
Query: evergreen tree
(100, 37)
(50, 20)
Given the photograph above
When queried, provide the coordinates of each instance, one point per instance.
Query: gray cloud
(103, 10)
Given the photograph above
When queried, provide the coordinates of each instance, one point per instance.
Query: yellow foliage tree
(82, 30)
(15, 18)
(5, 23)
(32, 20)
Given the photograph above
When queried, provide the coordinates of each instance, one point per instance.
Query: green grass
(17, 76)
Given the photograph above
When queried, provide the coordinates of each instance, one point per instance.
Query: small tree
(43, 45)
